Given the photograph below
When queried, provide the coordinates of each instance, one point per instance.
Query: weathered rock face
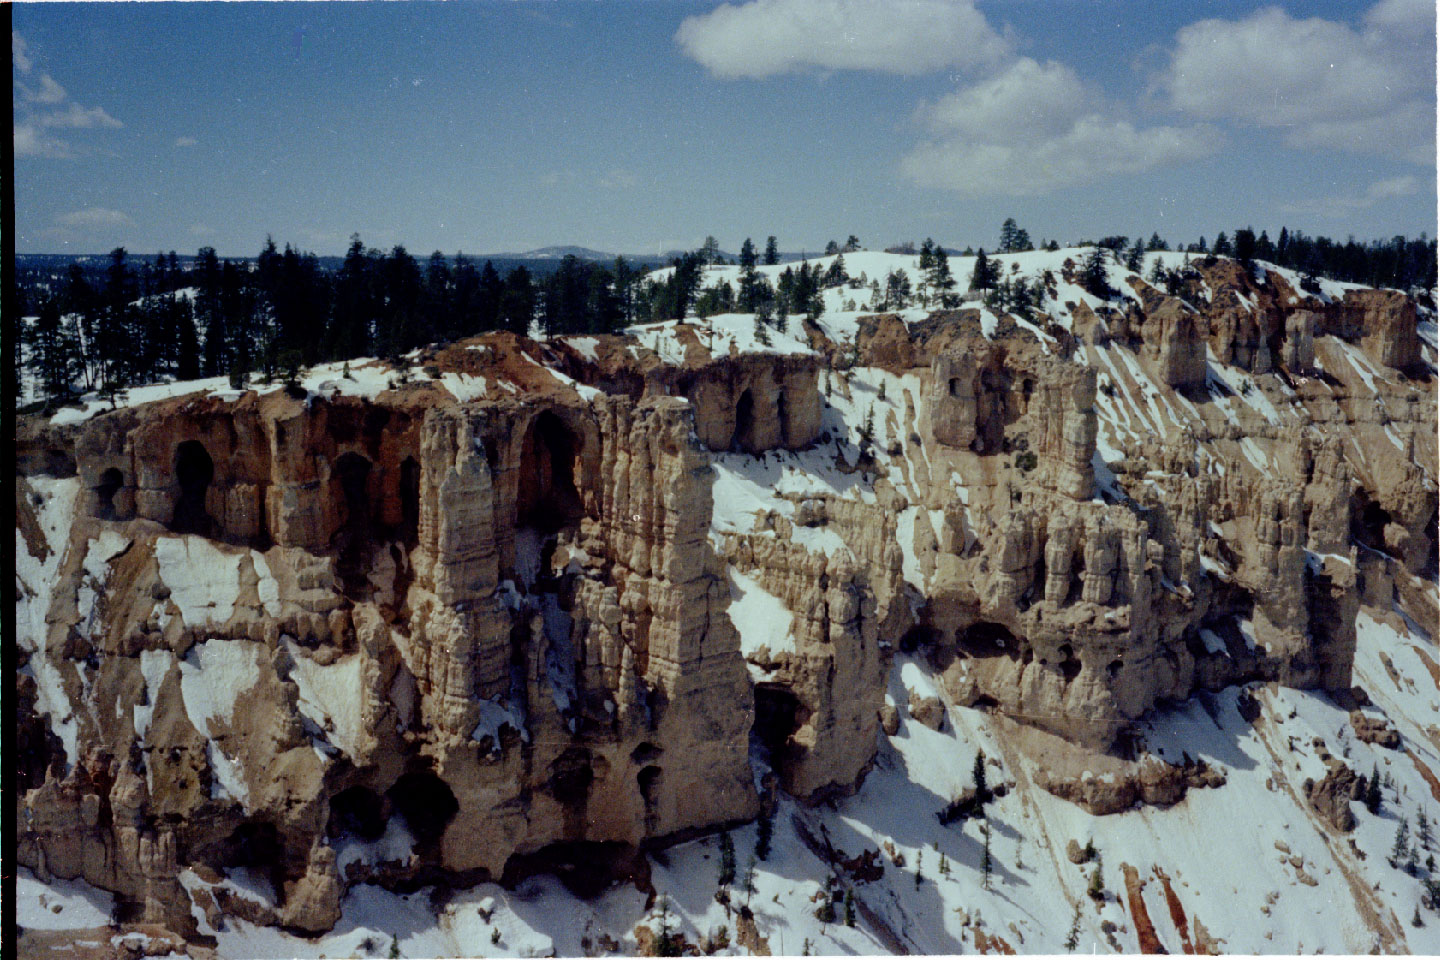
(426, 633)
(504, 623)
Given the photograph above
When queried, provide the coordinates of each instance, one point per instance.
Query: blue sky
(639, 126)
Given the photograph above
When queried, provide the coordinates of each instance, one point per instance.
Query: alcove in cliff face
(546, 498)
(745, 423)
(194, 470)
(778, 714)
(349, 479)
(986, 639)
(110, 483)
(426, 802)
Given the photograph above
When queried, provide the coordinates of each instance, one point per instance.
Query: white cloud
(763, 38)
(185, 141)
(19, 57)
(1324, 84)
(1036, 128)
(1393, 187)
(617, 179)
(31, 141)
(92, 218)
(1390, 188)
(50, 92)
(46, 106)
(78, 117)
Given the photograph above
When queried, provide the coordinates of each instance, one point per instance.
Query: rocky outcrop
(403, 636)
(1153, 782)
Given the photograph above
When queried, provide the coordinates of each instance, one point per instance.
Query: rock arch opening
(194, 471)
(648, 779)
(744, 423)
(1069, 663)
(110, 483)
(358, 811)
(986, 639)
(426, 802)
(778, 714)
(351, 475)
(547, 498)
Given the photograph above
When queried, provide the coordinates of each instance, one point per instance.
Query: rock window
(110, 483)
(194, 470)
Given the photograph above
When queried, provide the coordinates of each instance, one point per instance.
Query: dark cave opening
(778, 714)
(571, 775)
(351, 472)
(744, 423)
(110, 483)
(194, 471)
(1069, 663)
(546, 497)
(986, 639)
(426, 802)
(358, 811)
(782, 410)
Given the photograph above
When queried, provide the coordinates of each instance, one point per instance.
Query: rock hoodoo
(543, 600)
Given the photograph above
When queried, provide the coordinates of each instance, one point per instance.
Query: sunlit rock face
(543, 598)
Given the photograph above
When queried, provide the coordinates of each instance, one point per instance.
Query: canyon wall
(477, 623)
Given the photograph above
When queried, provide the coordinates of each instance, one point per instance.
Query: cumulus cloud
(764, 38)
(1323, 83)
(186, 141)
(1036, 128)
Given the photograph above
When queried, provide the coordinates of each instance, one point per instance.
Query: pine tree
(710, 251)
(747, 881)
(849, 907)
(982, 791)
(54, 351)
(1155, 243)
(1372, 792)
(1422, 829)
(986, 273)
(852, 243)
(1072, 940)
(1007, 235)
(1093, 275)
(1222, 245)
(772, 252)
(942, 281)
(1402, 842)
(944, 865)
(727, 859)
(1135, 259)
(919, 858)
(763, 832)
